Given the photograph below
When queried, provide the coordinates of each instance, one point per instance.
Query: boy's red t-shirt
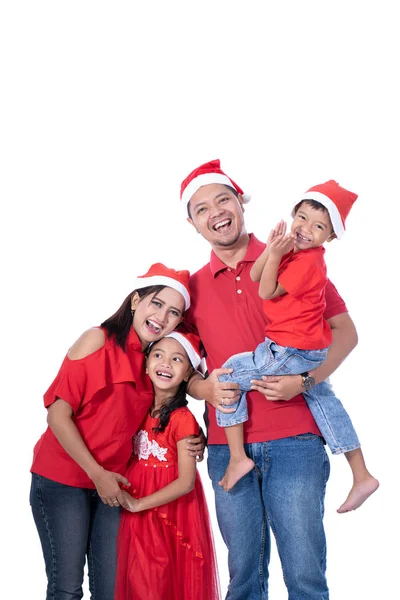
(296, 319)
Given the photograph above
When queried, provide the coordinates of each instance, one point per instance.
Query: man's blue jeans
(74, 523)
(270, 358)
(285, 492)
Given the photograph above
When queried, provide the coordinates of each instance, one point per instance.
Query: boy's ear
(332, 237)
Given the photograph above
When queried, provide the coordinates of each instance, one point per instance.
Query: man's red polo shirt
(228, 314)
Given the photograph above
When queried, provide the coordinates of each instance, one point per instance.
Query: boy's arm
(269, 285)
(257, 268)
(182, 485)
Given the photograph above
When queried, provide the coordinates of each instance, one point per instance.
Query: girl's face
(157, 315)
(168, 364)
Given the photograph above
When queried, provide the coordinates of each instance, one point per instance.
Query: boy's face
(311, 227)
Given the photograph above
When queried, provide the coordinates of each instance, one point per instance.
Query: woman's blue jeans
(73, 523)
(285, 492)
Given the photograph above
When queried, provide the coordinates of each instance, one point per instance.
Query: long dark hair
(164, 414)
(120, 323)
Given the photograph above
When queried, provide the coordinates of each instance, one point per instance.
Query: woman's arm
(59, 418)
(177, 488)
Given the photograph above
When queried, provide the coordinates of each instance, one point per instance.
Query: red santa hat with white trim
(191, 344)
(159, 274)
(336, 199)
(210, 172)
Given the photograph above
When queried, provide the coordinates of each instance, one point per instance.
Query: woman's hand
(107, 486)
(196, 445)
(278, 387)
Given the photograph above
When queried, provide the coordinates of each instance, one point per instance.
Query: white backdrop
(105, 108)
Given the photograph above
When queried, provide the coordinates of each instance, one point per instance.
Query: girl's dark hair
(164, 414)
(120, 323)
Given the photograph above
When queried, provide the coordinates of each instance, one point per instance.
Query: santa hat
(191, 344)
(336, 199)
(210, 172)
(159, 274)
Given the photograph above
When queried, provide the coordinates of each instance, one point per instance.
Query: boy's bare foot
(236, 470)
(359, 494)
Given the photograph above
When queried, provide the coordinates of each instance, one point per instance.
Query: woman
(95, 404)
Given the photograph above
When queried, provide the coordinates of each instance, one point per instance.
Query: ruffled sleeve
(183, 424)
(79, 380)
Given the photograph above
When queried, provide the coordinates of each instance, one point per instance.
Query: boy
(292, 275)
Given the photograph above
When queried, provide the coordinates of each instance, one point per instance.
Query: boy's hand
(281, 245)
(279, 229)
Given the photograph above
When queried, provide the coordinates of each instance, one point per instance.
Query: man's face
(217, 214)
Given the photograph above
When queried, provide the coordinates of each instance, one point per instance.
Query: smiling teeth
(218, 225)
(163, 374)
(154, 325)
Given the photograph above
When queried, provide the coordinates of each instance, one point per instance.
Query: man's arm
(344, 340)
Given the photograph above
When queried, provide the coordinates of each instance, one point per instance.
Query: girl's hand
(107, 487)
(129, 503)
(196, 445)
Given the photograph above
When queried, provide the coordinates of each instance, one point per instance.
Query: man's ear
(135, 300)
(189, 220)
(240, 198)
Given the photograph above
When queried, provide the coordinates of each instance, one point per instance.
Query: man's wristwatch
(308, 380)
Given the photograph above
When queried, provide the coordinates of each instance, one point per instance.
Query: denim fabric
(270, 358)
(74, 523)
(285, 493)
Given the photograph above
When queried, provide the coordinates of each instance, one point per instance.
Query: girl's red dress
(166, 553)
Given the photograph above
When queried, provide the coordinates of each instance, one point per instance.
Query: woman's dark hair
(120, 323)
(164, 414)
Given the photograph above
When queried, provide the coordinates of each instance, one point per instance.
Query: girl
(165, 547)
(95, 404)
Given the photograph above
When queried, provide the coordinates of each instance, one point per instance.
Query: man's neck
(232, 255)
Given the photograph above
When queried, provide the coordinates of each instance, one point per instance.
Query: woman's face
(157, 315)
(168, 364)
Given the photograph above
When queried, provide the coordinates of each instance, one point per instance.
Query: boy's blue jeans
(270, 358)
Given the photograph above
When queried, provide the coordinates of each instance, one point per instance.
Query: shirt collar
(133, 340)
(254, 250)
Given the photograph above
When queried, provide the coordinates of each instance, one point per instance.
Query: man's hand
(196, 445)
(219, 394)
(278, 387)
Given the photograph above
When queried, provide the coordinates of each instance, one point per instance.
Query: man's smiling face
(217, 214)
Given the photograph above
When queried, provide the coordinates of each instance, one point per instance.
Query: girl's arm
(59, 418)
(177, 488)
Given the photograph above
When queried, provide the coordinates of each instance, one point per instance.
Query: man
(286, 489)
